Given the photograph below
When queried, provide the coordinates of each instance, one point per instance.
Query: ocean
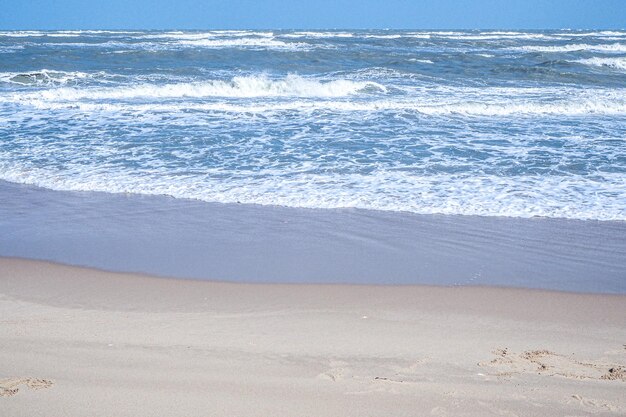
(494, 158)
(488, 123)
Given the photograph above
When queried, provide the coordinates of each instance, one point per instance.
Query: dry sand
(80, 342)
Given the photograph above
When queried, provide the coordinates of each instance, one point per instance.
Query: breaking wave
(250, 86)
(558, 196)
(46, 77)
(616, 63)
(610, 48)
(243, 42)
(296, 93)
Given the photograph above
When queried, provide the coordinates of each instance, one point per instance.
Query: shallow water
(251, 243)
(493, 123)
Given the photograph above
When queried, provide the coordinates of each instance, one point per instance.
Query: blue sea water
(492, 123)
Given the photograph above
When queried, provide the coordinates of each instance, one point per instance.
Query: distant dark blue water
(488, 123)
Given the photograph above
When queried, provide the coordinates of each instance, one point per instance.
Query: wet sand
(82, 342)
(181, 238)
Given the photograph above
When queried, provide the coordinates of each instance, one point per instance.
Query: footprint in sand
(593, 404)
(545, 362)
(11, 386)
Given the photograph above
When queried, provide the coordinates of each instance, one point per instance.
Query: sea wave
(573, 197)
(314, 34)
(179, 35)
(295, 93)
(497, 36)
(121, 45)
(422, 61)
(46, 77)
(610, 104)
(616, 63)
(244, 86)
(243, 42)
(22, 33)
(596, 34)
(63, 33)
(8, 49)
(607, 48)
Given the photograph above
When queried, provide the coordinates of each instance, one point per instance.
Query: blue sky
(275, 14)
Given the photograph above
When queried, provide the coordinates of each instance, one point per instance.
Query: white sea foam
(22, 33)
(600, 34)
(55, 34)
(296, 93)
(147, 46)
(616, 63)
(397, 36)
(251, 86)
(178, 35)
(498, 36)
(334, 98)
(485, 35)
(63, 33)
(528, 196)
(259, 43)
(241, 33)
(10, 49)
(47, 77)
(424, 35)
(607, 48)
(244, 42)
(442, 33)
(507, 33)
(100, 32)
(418, 35)
(318, 35)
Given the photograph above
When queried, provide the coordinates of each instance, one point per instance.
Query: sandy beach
(310, 209)
(82, 342)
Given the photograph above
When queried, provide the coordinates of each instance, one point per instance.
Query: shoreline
(172, 280)
(240, 243)
(373, 211)
(74, 279)
(85, 342)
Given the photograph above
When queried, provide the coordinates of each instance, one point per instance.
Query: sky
(312, 14)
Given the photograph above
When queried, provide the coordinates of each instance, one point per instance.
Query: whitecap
(244, 86)
(607, 48)
(573, 197)
(22, 33)
(47, 77)
(262, 43)
(322, 35)
(309, 96)
(615, 63)
(599, 34)
(191, 36)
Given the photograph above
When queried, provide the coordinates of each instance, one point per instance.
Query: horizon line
(314, 28)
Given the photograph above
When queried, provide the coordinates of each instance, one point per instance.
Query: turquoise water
(487, 123)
